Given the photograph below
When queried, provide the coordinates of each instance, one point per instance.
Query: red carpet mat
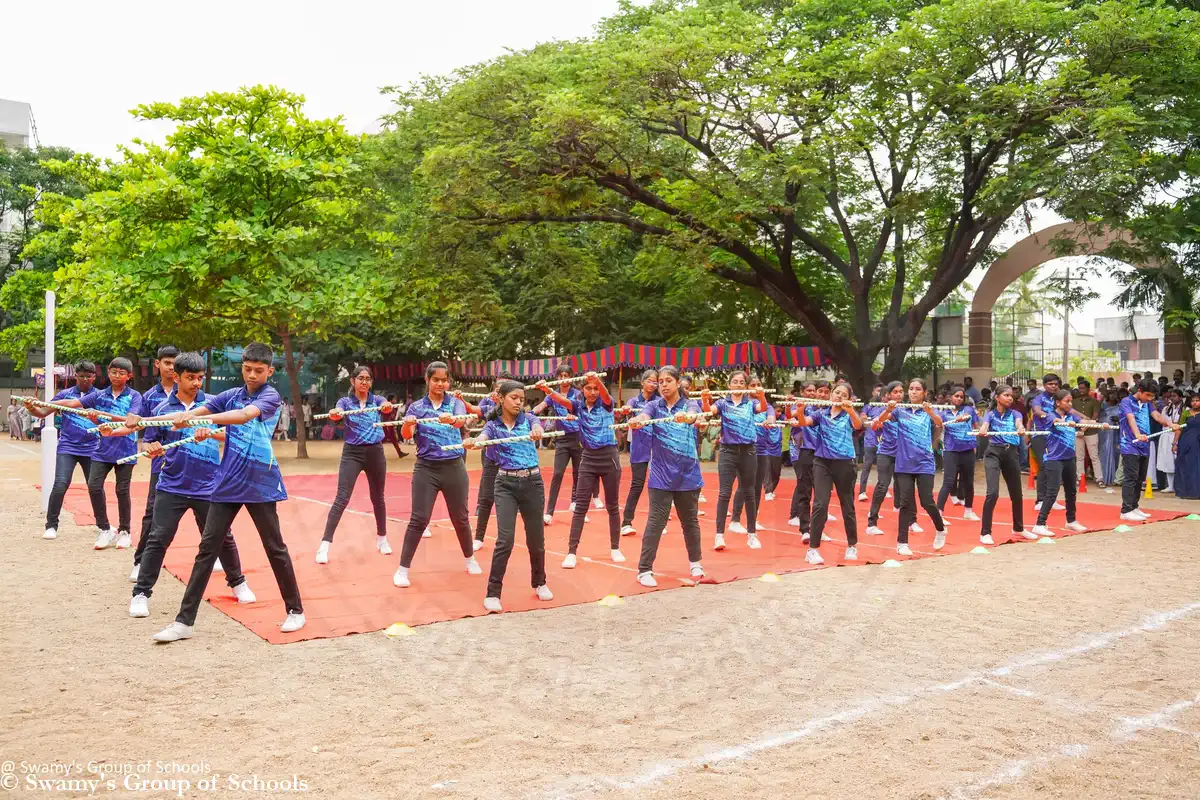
(354, 592)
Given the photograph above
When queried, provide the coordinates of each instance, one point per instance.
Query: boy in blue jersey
(152, 399)
(487, 482)
(248, 476)
(116, 401)
(185, 481)
(1042, 408)
(1136, 411)
(75, 445)
(1059, 464)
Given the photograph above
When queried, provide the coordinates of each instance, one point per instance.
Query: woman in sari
(1110, 443)
(1187, 452)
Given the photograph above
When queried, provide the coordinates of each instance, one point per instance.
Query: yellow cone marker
(980, 551)
(610, 600)
(891, 563)
(399, 629)
(1149, 495)
(1045, 540)
(769, 577)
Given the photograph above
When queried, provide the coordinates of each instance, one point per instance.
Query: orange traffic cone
(1083, 484)
(1033, 471)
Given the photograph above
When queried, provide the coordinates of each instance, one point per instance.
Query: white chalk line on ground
(24, 450)
(661, 771)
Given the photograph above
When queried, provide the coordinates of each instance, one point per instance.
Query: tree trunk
(297, 396)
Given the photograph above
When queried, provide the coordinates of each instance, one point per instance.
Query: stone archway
(1030, 253)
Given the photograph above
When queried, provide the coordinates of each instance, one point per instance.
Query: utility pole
(1066, 327)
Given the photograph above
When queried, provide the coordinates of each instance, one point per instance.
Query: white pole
(49, 432)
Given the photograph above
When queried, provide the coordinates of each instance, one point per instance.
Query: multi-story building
(1137, 341)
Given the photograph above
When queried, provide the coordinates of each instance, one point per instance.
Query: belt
(519, 473)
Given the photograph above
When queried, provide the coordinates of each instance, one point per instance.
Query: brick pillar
(979, 353)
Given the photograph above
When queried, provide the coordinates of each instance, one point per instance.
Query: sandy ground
(1065, 671)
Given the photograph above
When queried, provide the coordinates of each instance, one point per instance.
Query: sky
(100, 60)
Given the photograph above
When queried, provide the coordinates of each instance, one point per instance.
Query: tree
(252, 221)
(852, 160)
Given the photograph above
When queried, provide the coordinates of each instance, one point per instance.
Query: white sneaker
(322, 553)
(476, 546)
(874, 530)
(1059, 507)
(133, 576)
(697, 571)
(794, 522)
(428, 534)
(737, 527)
(970, 515)
(1037, 506)
(986, 539)
(400, 578)
(647, 579)
(1132, 516)
(813, 556)
(701, 498)
(570, 561)
(916, 528)
(105, 539)
(1042, 530)
(804, 537)
(955, 501)
(719, 542)
(586, 518)
(547, 519)
(492, 604)
(939, 540)
(51, 533)
(1030, 535)
(1141, 513)
(139, 606)
(473, 567)
(173, 633)
(862, 495)
(617, 556)
(123, 540)
(628, 530)
(752, 542)
(571, 508)
(293, 623)
(904, 550)
(598, 503)
(217, 566)
(1077, 526)
(851, 554)
(700, 512)
(243, 594)
(383, 545)
(544, 593)
(769, 496)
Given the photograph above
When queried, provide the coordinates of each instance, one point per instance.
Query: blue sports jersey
(431, 437)
(674, 462)
(639, 440)
(1141, 414)
(1045, 402)
(870, 438)
(595, 424)
(737, 420)
(74, 438)
(885, 437)
(485, 407)
(154, 397)
(999, 421)
(1061, 444)
(958, 436)
(769, 440)
(836, 440)
(113, 448)
(914, 442)
(189, 470)
(557, 410)
(515, 455)
(249, 472)
(360, 428)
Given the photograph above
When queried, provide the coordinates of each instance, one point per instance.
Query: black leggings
(828, 474)
(601, 466)
(868, 461)
(1059, 474)
(737, 461)
(884, 466)
(959, 475)
(64, 470)
(567, 450)
(525, 495)
(767, 478)
(1133, 480)
(169, 510)
(638, 470)
(356, 458)
(487, 497)
(97, 473)
(1038, 445)
(430, 476)
(1003, 460)
(908, 487)
(686, 504)
(148, 515)
(802, 499)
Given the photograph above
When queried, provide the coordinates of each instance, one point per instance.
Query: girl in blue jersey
(567, 449)
(833, 467)
(600, 463)
(487, 482)
(639, 450)
(768, 450)
(674, 472)
(915, 464)
(885, 454)
(362, 452)
(804, 447)
(437, 470)
(958, 452)
(518, 489)
(1059, 464)
(870, 444)
(739, 436)
(1003, 457)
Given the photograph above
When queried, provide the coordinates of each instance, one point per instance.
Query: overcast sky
(84, 65)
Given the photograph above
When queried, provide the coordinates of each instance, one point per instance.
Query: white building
(17, 129)
(1138, 342)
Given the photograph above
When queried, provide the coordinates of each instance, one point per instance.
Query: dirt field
(1066, 671)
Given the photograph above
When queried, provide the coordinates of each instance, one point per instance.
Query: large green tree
(838, 156)
(250, 221)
